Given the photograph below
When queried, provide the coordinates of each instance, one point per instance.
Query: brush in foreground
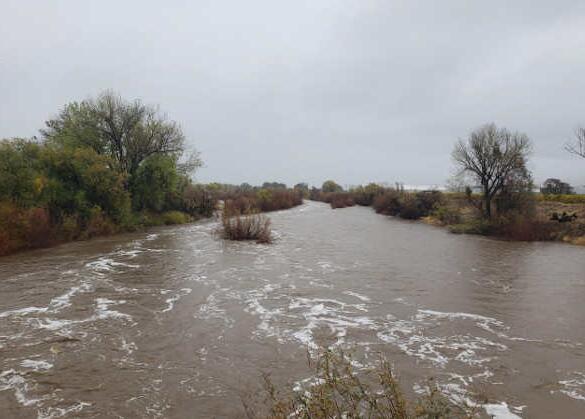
(252, 226)
(339, 391)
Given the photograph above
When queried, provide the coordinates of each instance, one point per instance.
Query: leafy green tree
(75, 181)
(331, 186)
(128, 132)
(20, 180)
(154, 182)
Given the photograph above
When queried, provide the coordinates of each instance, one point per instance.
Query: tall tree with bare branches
(577, 147)
(493, 156)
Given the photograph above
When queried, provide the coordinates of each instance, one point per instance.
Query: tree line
(100, 166)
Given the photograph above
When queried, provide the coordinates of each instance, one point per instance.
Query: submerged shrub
(236, 225)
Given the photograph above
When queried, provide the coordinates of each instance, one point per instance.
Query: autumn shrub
(388, 203)
(521, 227)
(341, 200)
(365, 195)
(198, 200)
(277, 199)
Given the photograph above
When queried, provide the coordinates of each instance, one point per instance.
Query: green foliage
(330, 186)
(20, 180)
(127, 132)
(76, 181)
(175, 217)
(155, 180)
(565, 199)
(103, 166)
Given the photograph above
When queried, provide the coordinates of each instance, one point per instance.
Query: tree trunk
(487, 202)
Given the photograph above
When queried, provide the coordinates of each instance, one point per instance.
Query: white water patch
(336, 316)
(574, 387)
(13, 380)
(23, 311)
(106, 264)
(36, 365)
(500, 411)
(413, 337)
(64, 300)
(212, 310)
(103, 310)
(174, 298)
(358, 296)
(59, 412)
(327, 267)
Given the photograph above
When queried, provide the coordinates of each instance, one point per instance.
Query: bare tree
(578, 147)
(492, 156)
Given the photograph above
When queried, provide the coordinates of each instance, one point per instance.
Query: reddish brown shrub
(341, 200)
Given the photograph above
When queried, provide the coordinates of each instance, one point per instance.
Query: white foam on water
(64, 300)
(412, 338)
(23, 311)
(103, 310)
(12, 380)
(574, 387)
(211, 310)
(59, 412)
(500, 411)
(173, 299)
(107, 264)
(36, 365)
(358, 296)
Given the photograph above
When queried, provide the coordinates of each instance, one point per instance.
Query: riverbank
(548, 220)
(21, 231)
(535, 217)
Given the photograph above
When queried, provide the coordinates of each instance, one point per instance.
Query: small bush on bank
(174, 217)
(388, 203)
(518, 226)
(477, 226)
(341, 200)
(447, 215)
(410, 206)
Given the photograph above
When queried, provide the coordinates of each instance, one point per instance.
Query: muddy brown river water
(173, 323)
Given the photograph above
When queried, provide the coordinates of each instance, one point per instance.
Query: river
(174, 323)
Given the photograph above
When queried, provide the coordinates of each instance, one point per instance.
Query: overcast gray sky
(300, 90)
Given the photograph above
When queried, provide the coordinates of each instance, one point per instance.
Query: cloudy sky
(300, 90)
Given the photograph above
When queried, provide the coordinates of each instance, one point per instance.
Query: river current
(174, 323)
